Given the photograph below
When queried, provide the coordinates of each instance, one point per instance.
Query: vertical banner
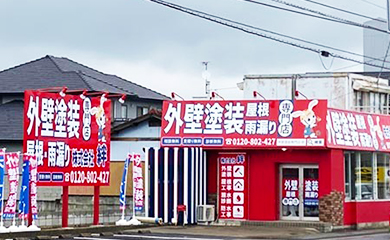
(233, 181)
(122, 194)
(33, 186)
(12, 163)
(138, 188)
(2, 169)
(24, 200)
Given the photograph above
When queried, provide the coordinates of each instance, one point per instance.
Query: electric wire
(323, 64)
(383, 63)
(345, 11)
(373, 4)
(248, 29)
(323, 15)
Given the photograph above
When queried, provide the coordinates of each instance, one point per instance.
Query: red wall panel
(366, 212)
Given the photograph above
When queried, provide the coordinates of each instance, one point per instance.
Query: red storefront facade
(323, 154)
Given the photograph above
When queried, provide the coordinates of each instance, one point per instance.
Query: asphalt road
(155, 236)
(135, 236)
(381, 236)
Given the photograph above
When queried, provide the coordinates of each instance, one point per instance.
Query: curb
(350, 233)
(77, 231)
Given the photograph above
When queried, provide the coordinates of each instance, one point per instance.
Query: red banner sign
(357, 130)
(12, 165)
(244, 124)
(138, 185)
(70, 135)
(233, 190)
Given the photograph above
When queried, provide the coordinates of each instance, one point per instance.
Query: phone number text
(250, 141)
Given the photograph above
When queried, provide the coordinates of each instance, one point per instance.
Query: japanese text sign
(311, 192)
(233, 190)
(357, 130)
(138, 185)
(244, 124)
(33, 186)
(290, 192)
(70, 135)
(12, 165)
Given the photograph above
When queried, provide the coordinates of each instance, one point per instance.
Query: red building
(288, 160)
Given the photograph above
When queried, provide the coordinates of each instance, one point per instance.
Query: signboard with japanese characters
(244, 124)
(357, 130)
(12, 165)
(138, 185)
(290, 192)
(233, 190)
(33, 186)
(311, 192)
(70, 135)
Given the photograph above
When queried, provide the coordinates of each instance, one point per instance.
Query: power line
(325, 16)
(373, 4)
(345, 11)
(248, 29)
(383, 63)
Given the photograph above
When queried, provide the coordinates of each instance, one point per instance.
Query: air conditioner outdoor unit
(205, 213)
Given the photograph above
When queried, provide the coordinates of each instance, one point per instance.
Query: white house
(351, 91)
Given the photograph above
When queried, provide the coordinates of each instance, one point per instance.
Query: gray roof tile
(52, 71)
(11, 120)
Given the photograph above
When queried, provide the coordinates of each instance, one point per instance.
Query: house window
(142, 111)
(123, 111)
(366, 175)
(382, 167)
(374, 102)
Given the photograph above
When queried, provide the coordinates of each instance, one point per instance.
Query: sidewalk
(255, 232)
(246, 232)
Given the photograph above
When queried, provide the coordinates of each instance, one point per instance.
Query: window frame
(358, 190)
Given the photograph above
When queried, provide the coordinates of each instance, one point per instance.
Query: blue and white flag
(2, 170)
(24, 191)
(122, 194)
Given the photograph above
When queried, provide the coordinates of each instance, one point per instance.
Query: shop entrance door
(299, 192)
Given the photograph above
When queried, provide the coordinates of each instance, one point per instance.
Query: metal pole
(175, 183)
(65, 198)
(185, 184)
(146, 183)
(156, 196)
(96, 195)
(166, 185)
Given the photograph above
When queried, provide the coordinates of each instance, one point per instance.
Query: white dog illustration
(100, 118)
(308, 119)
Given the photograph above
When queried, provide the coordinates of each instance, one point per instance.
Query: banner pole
(133, 220)
(124, 191)
(65, 198)
(96, 205)
(2, 196)
(133, 187)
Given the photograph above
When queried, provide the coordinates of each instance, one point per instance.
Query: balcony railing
(372, 109)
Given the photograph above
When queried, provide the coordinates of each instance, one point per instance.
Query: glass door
(299, 192)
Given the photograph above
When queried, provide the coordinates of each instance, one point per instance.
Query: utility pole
(388, 15)
(294, 85)
(206, 76)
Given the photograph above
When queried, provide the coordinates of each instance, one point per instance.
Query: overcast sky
(162, 49)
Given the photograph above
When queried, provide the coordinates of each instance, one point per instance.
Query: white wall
(127, 143)
(120, 149)
(335, 88)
